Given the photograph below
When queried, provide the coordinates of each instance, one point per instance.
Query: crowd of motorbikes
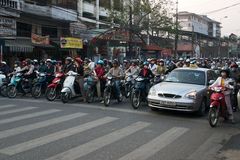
(66, 87)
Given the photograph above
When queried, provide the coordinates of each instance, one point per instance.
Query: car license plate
(168, 103)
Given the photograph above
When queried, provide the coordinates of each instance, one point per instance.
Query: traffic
(189, 85)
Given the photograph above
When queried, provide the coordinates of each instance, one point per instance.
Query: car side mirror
(211, 82)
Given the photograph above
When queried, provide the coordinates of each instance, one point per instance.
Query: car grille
(165, 95)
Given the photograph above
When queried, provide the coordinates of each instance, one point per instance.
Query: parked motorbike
(71, 87)
(110, 91)
(40, 85)
(54, 89)
(18, 84)
(139, 92)
(217, 106)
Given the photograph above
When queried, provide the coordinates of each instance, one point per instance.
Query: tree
(144, 17)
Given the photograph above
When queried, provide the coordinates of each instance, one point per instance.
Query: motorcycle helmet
(226, 70)
(49, 60)
(69, 59)
(145, 63)
(78, 60)
(28, 61)
(100, 62)
(115, 62)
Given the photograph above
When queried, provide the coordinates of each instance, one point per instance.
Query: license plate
(168, 103)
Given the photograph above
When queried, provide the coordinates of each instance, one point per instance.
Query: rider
(161, 69)
(147, 74)
(49, 70)
(225, 81)
(133, 70)
(100, 72)
(153, 66)
(69, 66)
(117, 73)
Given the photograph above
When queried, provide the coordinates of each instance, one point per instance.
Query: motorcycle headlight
(152, 92)
(192, 95)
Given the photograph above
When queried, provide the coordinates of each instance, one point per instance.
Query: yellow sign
(70, 42)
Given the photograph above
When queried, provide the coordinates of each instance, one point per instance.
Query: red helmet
(79, 60)
(234, 65)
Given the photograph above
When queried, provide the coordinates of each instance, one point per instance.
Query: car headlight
(192, 95)
(152, 92)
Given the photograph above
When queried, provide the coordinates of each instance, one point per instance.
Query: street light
(219, 46)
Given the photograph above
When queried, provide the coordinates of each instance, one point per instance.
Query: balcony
(89, 8)
(50, 11)
(103, 12)
(13, 4)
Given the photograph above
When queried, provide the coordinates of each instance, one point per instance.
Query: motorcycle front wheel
(37, 91)
(107, 97)
(3, 91)
(51, 94)
(65, 96)
(136, 99)
(12, 91)
(213, 117)
(89, 95)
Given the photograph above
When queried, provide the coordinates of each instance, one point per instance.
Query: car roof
(193, 69)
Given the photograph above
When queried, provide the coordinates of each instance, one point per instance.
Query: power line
(221, 9)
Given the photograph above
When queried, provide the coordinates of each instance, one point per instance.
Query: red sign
(37, 39)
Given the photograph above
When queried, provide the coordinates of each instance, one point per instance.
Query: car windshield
(186, 76)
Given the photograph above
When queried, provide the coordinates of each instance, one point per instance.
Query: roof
(195, 69)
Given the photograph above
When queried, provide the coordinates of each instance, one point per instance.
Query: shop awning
(19, 45)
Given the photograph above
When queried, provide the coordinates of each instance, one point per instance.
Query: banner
(37, 39)
(70, 42)
(8, 27)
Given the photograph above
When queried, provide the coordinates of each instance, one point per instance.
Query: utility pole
(130, 28)
(176, 32)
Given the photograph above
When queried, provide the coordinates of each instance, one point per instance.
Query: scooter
(217, 106)
(90, 88)
(128, 84)
(40, 85)
(4, 81)
(110, 91)
(71, 87)
(2, 78)
(18, 84)
(54, 89)
(139, 92)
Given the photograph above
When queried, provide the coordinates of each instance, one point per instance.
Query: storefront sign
(37, 39)
(76, 28)
(7, 27)
(69, 42)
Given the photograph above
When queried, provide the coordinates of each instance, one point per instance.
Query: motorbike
(3, 88)
(90, 88)
(110, 91)
(129, 81)
(139, 92)
(40, 85)
(18, 84)
(54, 88)
(158, 79)
(71, 87)
(218, 106)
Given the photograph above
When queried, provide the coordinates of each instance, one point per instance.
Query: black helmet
(28, 61)
(115, 62)
(226, 70)
(69, 59)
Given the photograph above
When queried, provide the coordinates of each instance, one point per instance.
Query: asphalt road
(41, 130)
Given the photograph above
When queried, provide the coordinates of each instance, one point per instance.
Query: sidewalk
(231, 149)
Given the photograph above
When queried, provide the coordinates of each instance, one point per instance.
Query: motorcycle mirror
(211, 82)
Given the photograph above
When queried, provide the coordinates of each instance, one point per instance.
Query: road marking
(16, 110)
(25, 146)
(149, 149)
(209, 148)
(100, 142)
(7, 106)
(26, 116)
(30, 127)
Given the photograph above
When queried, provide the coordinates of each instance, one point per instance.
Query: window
(52, 32)
(24, 30)
(69, 4)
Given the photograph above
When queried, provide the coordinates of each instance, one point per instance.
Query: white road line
(25, 146)
(209, 148)
(7, 106)
(26, 116)
(30, 127)
(16, 110)
(100, 142)
(149, 149)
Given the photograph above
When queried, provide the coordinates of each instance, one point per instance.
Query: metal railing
(9, 4)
